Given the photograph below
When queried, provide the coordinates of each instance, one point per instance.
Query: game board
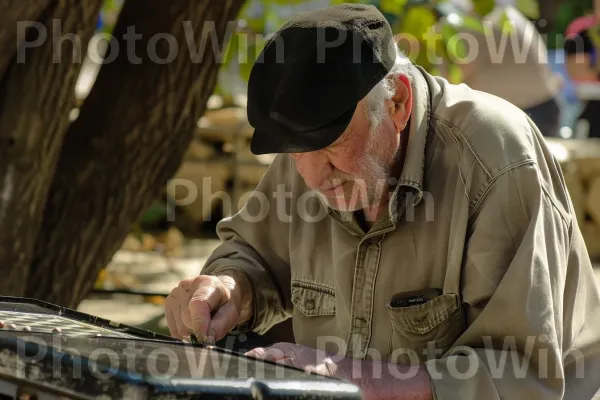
(53, 324)
(36, 316)
(51, 352)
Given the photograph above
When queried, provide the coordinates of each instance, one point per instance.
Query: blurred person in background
(513, 64)
(552, 22)
(582, 66)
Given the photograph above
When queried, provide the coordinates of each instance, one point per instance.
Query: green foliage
(529, 8)
(247, 42)
(417, 40)
(412, 17)
(483, 7)
(568, 11)
(506, 24)
(415, 19)
(108, 13)
(594, 34)
(394, 7)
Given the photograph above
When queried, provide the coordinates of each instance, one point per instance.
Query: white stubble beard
(369, 189)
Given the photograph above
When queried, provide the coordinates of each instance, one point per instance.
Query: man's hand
(373, 377)
(208, 306)
(302, 357)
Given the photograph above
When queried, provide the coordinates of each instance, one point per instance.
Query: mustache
(336, 180)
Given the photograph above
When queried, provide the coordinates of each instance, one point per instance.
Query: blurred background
(175, 230)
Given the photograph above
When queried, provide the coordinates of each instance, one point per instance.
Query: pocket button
(309, 304)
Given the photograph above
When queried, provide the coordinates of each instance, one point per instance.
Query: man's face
(354, 172)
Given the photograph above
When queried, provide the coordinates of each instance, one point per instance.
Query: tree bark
(129, 139)
(36, 96)
(11, 14)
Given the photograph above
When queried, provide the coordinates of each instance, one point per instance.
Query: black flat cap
(311, 74)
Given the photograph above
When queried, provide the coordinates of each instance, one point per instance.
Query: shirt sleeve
(529, 296)
(255, 242)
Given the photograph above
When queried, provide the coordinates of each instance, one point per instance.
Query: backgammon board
(50, 352)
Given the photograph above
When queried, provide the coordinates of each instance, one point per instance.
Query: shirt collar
(412, 174)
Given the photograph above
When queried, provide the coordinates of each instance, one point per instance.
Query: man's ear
(402, 102)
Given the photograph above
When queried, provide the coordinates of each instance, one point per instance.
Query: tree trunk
(10, 14)
(36, 96)
(129, 139)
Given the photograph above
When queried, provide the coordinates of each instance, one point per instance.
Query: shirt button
(309, 304)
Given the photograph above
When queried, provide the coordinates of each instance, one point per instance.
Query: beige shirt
(481, 213)
(511, 66)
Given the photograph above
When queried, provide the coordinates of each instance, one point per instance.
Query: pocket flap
(312, 299)
(425, 317)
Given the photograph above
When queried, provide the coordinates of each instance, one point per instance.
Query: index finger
(204, 302)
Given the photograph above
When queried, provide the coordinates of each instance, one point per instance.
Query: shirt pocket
(313, 299)
(425, 331)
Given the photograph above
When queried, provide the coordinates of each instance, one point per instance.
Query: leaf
(337, 2)
(448, 31)
(416, 25)
(473, 24)
(457, 50)
(455, 74)
(418, 21)
(272, 20)
(232, 49)
(253, 17)
(594, 34)
(395, 7)
(284, 2)
(506, 24)
(529, 8)
(461, 23)
(483, 7)
(155, 213)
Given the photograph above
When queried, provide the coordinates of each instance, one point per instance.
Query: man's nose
(314, 167)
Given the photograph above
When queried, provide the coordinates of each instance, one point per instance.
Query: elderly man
(419, 234)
